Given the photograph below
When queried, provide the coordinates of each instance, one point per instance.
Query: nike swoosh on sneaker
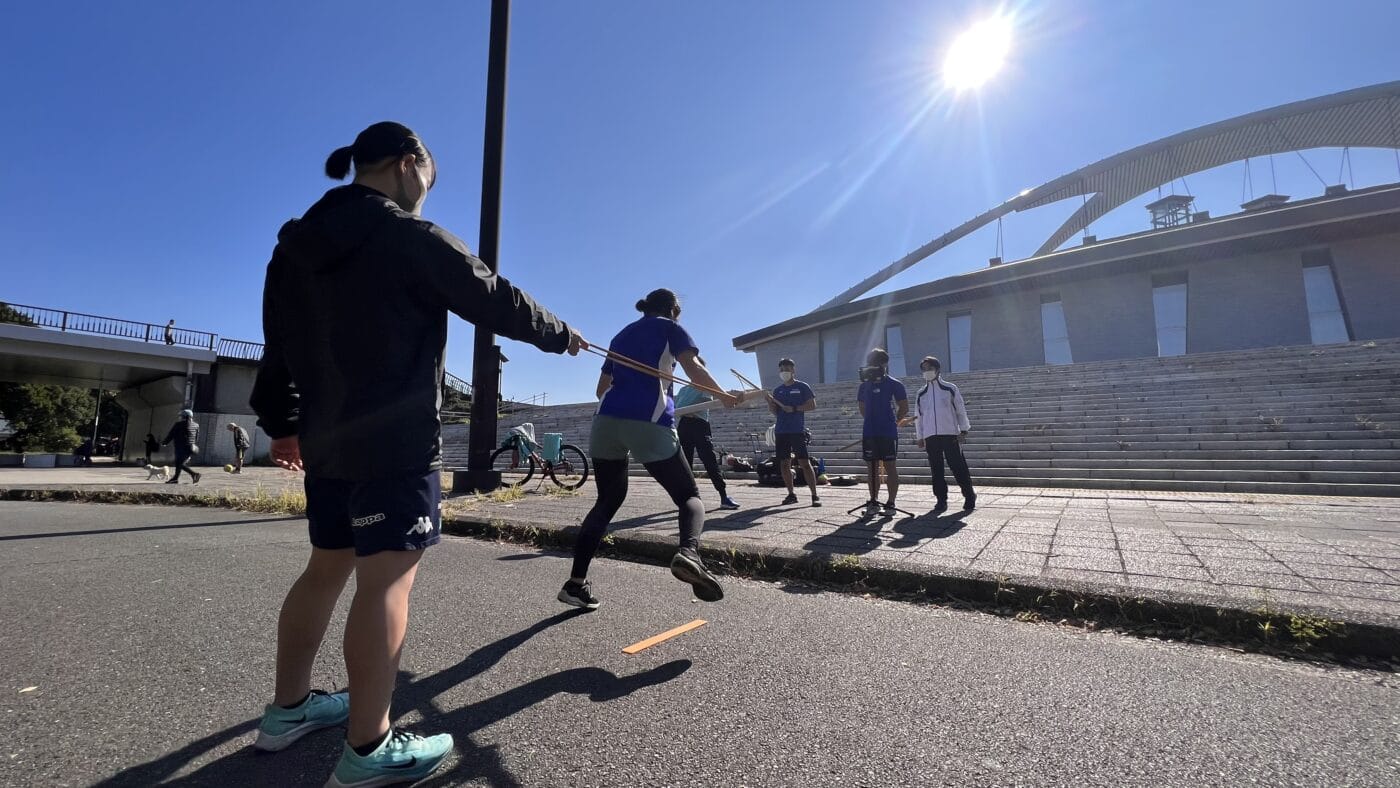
(412, 762)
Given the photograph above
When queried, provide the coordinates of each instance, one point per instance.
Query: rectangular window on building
(894, 345)
(1169, 311)
(829, 358)
(1054, 331)
(1325, 317)
(959, 343)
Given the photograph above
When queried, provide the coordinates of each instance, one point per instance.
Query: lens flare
(978, 54)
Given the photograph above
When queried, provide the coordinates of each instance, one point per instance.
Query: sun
(977, 55)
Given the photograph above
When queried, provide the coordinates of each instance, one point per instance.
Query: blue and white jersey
(655, 342)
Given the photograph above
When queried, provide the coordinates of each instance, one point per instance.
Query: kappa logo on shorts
(423, 526)
(361, 522)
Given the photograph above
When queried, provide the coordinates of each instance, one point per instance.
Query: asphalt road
(147, 633)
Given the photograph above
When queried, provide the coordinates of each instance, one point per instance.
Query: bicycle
(519, 457)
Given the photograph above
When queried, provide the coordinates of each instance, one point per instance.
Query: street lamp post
(486, 354)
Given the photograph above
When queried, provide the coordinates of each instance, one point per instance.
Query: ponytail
(659, 302)
(376, 143)
(338, 163)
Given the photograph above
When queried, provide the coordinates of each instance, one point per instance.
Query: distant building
(1320, 270)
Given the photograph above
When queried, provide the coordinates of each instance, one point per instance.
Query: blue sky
(757, 157)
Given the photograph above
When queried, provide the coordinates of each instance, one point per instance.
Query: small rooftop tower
(1170, 211)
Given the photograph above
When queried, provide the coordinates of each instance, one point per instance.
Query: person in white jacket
(940, 421)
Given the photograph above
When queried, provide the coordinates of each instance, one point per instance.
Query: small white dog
(152, 471)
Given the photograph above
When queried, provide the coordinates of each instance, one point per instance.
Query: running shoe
(872, 507)
(280, 726)
(889, 507)
(728, 503)
(579, 595)
(688, 568)
(816, 502)
(940, 507)
(790, 499)
(970, 503)
(402, 757)
(196, 477)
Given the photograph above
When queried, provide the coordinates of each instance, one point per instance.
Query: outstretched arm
(698, 374)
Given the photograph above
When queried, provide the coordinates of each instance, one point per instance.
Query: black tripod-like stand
(883, 508)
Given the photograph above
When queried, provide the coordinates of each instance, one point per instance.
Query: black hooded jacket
(355, 323)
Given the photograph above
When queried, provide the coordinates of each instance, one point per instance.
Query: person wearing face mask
(940, 421)
(355, 311)
(790, 403)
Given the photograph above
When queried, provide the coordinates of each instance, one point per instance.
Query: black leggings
(611, 476)
(695, 439)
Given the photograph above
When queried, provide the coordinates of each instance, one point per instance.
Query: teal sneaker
(280, 727)
(403, 757)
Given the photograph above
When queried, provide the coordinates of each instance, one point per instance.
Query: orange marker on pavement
(663, 637)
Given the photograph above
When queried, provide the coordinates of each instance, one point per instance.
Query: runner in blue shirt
(879, 397)
(634, 420)
(790, 402)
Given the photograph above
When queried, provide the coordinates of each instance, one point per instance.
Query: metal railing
(239, 349)
(82, 323)
(456, 384)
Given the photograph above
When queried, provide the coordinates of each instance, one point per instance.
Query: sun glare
(977, 55)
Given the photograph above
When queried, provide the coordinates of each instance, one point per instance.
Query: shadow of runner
(912, 531)
(316, 754)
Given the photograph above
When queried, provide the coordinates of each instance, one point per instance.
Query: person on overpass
(355, 311)
(170, 332)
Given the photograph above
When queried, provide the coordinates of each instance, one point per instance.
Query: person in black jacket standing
(355, 310)
(184, 434)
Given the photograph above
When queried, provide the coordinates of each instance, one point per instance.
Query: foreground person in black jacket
(355, 322)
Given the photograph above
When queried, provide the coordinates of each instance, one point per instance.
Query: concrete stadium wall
(1235, 303)
(1245, 302)
(1368, 278)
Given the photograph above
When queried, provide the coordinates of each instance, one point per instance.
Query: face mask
(786, 376)
(930, 374)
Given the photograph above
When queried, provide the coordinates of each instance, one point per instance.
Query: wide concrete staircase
(1307, 420)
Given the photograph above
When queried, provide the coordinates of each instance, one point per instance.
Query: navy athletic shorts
(787, 444)
(386, 514)
(876, 449)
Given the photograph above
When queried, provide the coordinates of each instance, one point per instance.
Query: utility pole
(486, 354)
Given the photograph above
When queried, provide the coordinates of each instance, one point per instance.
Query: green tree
(9, 315)
(46, 418)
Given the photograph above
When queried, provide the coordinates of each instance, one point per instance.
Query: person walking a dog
(184, 434)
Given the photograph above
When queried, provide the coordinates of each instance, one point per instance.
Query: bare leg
(811, 475)
(892, 480)
(374, 636)
(786, 465)
(305, 614)
(874, 470)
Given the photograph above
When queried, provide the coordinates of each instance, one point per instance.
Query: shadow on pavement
(137, 528)
(310, 761)
(928, 526)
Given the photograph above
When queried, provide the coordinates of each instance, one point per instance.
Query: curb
(1295, 632)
